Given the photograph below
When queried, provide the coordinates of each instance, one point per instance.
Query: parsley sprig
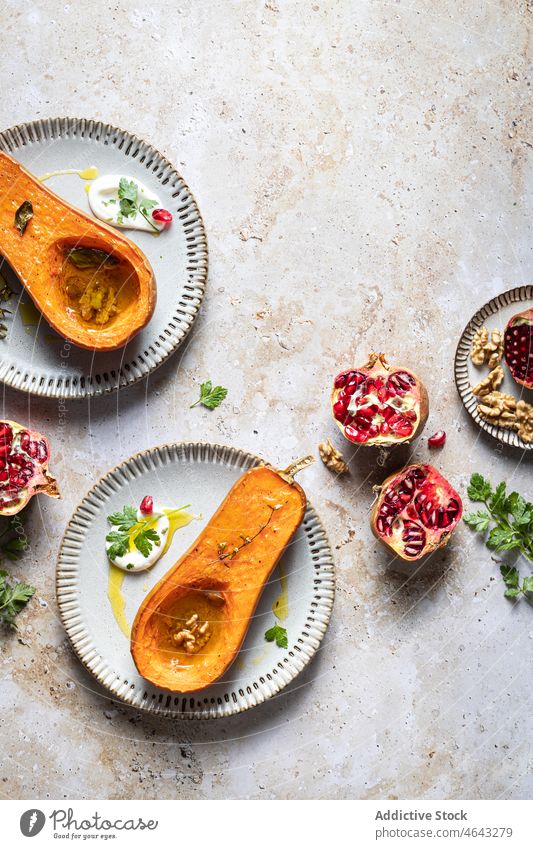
(13, 597)
(126, 527)
(210, 396)
(511, 579)
(278, 634)
(511, 514)
(508, 518)
(131, 204)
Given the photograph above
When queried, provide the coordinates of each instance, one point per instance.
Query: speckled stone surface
(364, 171)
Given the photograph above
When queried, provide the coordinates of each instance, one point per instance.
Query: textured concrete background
(363, 170)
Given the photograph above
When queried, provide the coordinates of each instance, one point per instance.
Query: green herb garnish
(509, 520)
(130, 204)
(13, 597)
(511, 579)
(23, 216)
(90, 258)
(127, 527)
(279, 634)
(210, 396)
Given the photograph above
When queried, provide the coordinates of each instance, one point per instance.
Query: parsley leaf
(125, 520)
(279, 634)
(13, 597)
(479, 521)
(479, 489)
(210, 396)
(145, 539)
(509, 522)
(130, 204)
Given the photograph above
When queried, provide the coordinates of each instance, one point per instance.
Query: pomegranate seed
(355, 434)
(147, 504)
(339, 410)
(437, 440)
(340, 380)
(163, 216)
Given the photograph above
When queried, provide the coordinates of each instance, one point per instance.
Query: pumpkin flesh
(39, 257)
(220, 586)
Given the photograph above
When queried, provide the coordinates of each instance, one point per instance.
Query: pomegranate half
(24, 456)
(416, 511)
(378, 404)
(518, 347)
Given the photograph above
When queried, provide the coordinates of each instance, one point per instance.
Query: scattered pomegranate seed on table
(437, 440)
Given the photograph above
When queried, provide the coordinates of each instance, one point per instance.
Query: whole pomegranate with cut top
(518, 347)
(378, 404)
(416, 511)
(24, 456)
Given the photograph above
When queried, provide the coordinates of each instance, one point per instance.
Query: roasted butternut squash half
(91, 283)
(190, 627)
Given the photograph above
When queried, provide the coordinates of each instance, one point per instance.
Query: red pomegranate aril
(355, 434)
(416, 512)
(340, 380)
(339, 410)
(163, 216)
(437, 440)
(147, 505)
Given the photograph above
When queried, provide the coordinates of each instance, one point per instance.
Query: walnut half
(505, 411)
(489, 383)
(332, 458)
(487, 348)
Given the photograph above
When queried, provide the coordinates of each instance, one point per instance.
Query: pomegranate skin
(518, 347)
(378, 404)
(425, 533)
(24, 456)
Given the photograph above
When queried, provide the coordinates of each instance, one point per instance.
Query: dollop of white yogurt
(105, 203)
(134, 560)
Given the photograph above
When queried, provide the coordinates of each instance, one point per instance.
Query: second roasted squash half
(191, 625)
(92, 284)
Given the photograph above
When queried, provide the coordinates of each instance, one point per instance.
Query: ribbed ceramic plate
(200, 475)
(33, 357)
(494, 316)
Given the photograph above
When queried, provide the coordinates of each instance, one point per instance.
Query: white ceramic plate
(33, 357)
(494, 316)
(199, 474)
